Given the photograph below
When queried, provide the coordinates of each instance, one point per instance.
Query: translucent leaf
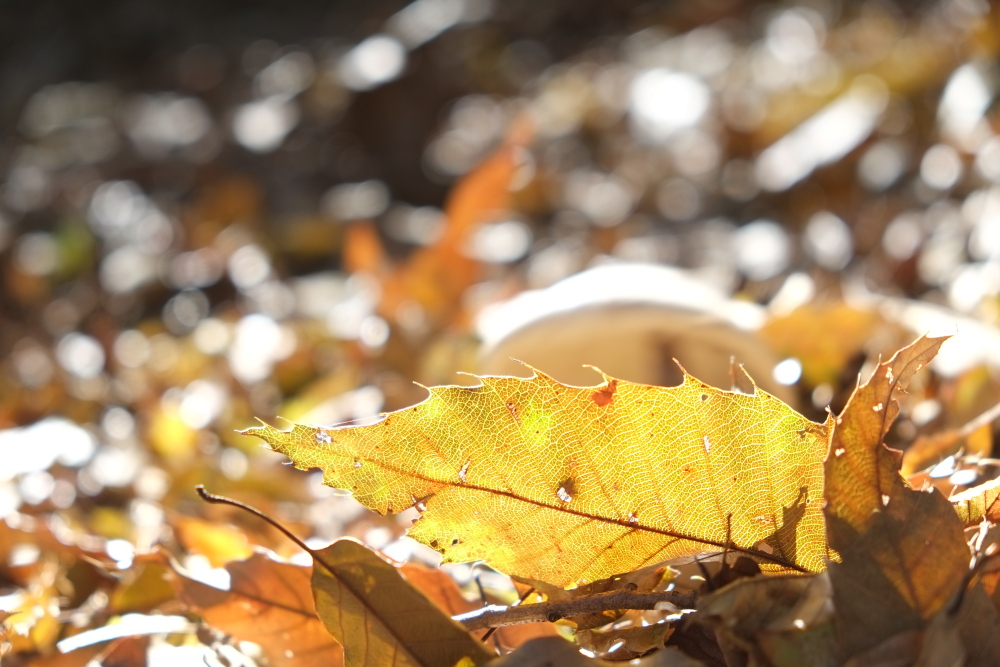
(568, 484)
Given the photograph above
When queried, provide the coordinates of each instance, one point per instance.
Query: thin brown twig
(495, 616)
(489, 633)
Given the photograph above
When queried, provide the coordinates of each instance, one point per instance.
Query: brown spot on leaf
(605, 396)
(512, 409)
(566, 490)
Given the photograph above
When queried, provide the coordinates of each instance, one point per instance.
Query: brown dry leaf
(125, 652)
(81, 657)
(144, 586)
(219, 542)
(557, 652)
(5, 631)
(573, 484)
(975, 438)
(967, 637)
(903, 553)
(270, 604)
(627, 643)
(438, 587)
(445, 593)
(435, 277)
(782, 621)
(381, 618)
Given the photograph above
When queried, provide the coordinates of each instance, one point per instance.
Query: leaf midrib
(634, 526)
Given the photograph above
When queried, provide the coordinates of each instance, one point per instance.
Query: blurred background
(211, 212)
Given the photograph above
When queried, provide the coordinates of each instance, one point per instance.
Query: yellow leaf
(568, 484)
(382, 619)
(219, 542)
(823, 337)
(978, 503)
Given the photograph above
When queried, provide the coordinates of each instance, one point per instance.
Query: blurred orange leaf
(270, 604)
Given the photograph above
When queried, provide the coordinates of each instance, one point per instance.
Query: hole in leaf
(464, 471)
(566, 490)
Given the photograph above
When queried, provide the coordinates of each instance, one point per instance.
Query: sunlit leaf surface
(568, 484)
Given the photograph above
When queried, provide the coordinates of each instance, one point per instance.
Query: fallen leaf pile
(205, 217)
(565, 487)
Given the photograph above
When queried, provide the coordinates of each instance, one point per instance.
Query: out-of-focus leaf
(823, 337)
(81, 657)
(554, 651)
(144, 586)
(219, 542)
(570, 484)
(171, 437)
(382, 619)
(36, 624)
(783, 621)
(270, 604)
(975, 438)
(125, 652)
(903, 554)
(967, 636)
(445, 593)
(978, 503)
(436, 276)
(5, 631)
(927, 451)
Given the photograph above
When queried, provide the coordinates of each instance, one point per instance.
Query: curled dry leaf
(979, 503)
(270, 604)
(382, 619)
(625, 643)
(572, 484)
(903, 553)
(783, 621)
(550, 651)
